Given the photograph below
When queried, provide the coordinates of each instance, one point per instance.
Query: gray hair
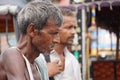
(66, 11)
(38, 12)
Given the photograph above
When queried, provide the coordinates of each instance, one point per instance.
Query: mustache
(71, 37)
(51, 46)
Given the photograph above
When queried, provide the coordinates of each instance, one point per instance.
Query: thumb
(62, 59)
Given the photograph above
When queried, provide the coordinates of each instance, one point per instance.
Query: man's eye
(70, 27)
(75, 27)
(55, 33)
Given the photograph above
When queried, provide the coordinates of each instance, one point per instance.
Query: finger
(62, 64)
(63, 59)
(61, 67)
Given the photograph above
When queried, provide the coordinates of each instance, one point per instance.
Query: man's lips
(71, 37)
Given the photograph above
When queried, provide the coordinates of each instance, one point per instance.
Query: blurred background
(96, 44)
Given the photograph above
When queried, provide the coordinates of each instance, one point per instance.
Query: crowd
(42, 50)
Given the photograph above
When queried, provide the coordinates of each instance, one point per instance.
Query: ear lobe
(31, 30)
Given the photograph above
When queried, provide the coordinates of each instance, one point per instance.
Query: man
(68, 67)
(39, 23)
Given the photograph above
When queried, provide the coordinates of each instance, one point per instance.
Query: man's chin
(70, 43)
(42, 51)
(47, 52)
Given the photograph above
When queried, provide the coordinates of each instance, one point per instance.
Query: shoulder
(13, 63)
(70, 56)
(11, 53)
(12, 57)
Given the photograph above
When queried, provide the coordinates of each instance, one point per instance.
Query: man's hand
(55, 68)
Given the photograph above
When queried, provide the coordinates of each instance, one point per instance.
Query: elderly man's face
(47, 37)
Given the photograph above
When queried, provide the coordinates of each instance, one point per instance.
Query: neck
(59, 48)
(27, 49)
(22, 41)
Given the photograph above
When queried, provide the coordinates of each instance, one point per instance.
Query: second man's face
(67, 30)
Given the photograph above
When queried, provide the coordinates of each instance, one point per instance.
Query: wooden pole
(117, 45)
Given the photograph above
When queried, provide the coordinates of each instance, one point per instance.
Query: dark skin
(14, 71)
(12, 64)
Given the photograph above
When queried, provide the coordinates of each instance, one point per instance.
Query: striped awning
(99, 4)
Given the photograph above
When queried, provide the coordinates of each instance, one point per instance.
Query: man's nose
(73, 31)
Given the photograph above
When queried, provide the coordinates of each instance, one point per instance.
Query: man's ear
(31, 30)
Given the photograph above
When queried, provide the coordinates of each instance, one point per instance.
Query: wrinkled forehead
(69, 19)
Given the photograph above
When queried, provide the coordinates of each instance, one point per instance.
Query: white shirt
(72, 67)
(42, 68)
